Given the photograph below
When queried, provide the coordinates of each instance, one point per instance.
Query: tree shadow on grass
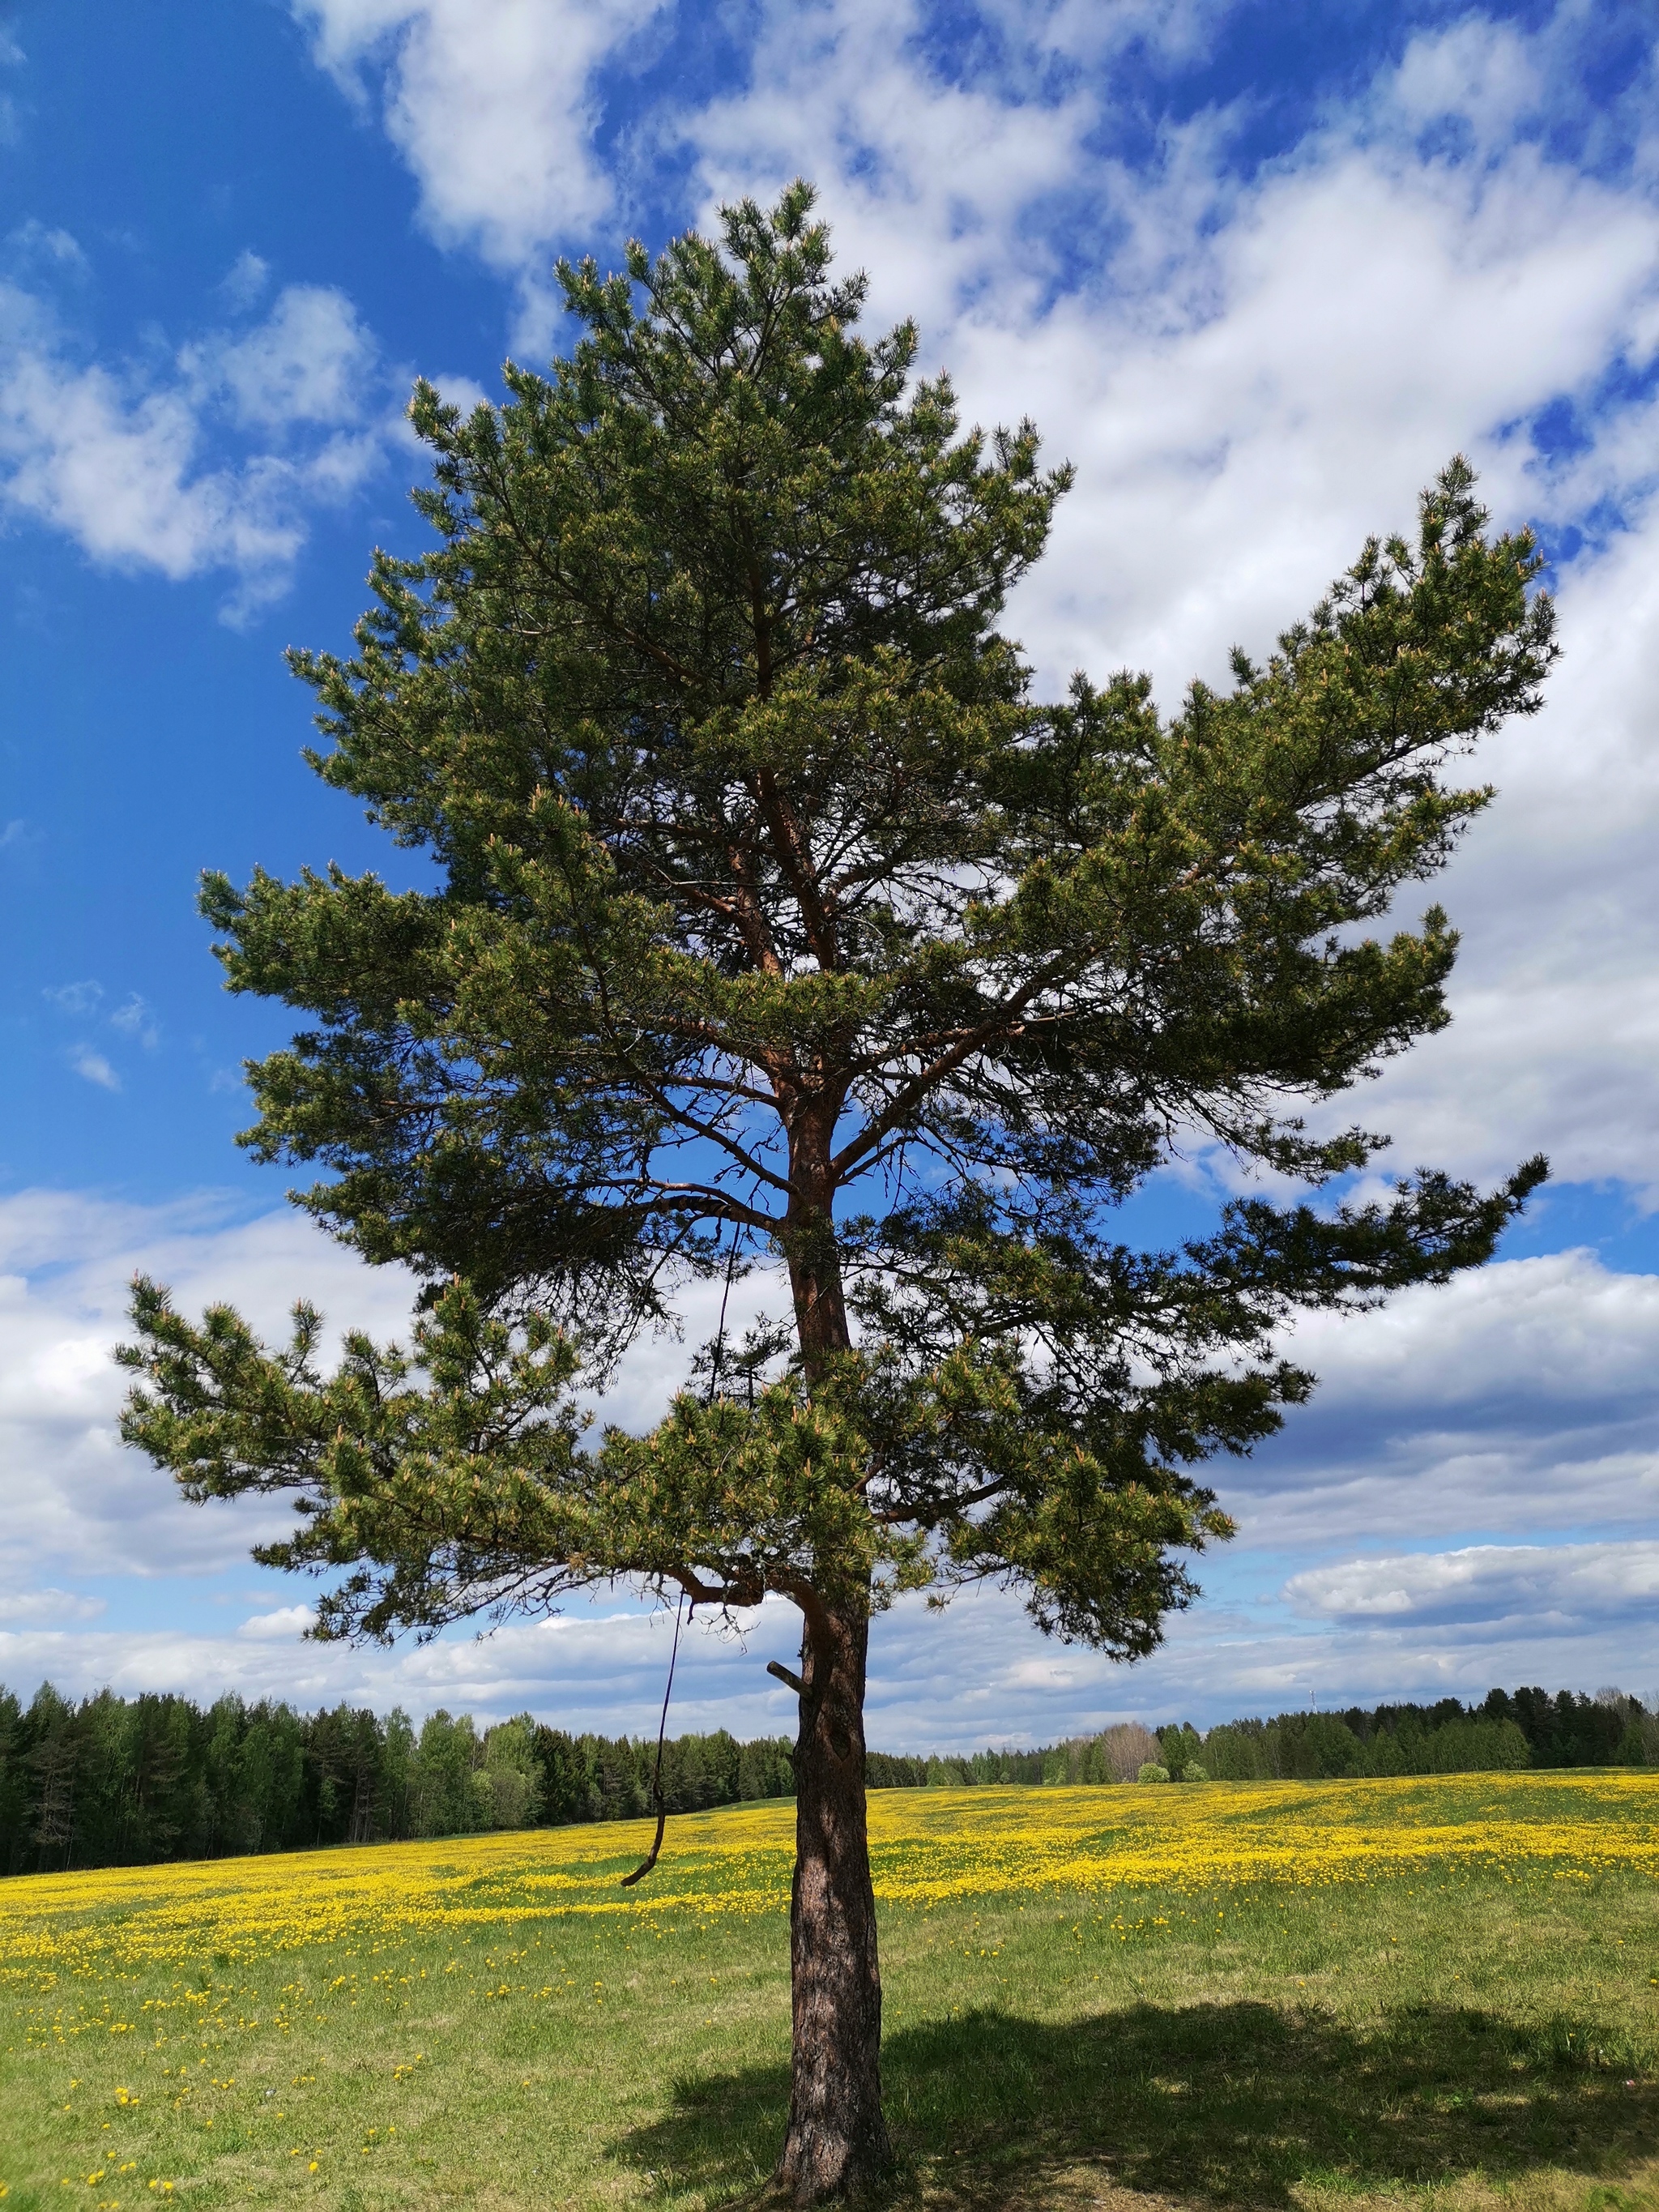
(1234, 2104)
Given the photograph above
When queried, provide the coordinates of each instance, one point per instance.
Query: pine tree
(775, 922)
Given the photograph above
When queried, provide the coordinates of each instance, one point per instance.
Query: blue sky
(1258, 271)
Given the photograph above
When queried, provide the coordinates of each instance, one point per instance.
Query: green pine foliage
(769, 916)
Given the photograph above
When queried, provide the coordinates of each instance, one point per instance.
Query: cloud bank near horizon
(1504, 1428)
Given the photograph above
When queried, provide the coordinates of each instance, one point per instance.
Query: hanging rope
(658, 1806)
(719, 1354)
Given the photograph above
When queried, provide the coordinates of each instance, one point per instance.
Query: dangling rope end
(640, 1872)
(661, 1810)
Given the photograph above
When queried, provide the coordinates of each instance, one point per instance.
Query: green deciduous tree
(775, 920)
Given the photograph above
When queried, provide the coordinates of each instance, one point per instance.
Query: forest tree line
(115, 1781)
(1509, 1729)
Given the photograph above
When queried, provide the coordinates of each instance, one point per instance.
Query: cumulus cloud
(280, 1625)
(131, 464)
(246, 281)
(56, 1605)
(1516, 1401)
(94, 1068)
(1556, 998)
(1220, 1668)
(1554, 1336)
(978, 1673)
(596, 1668)
(307, 363)
(1253, 368)
(82, 1501)
(1253, 363)
(78, 1503)
(115, 470)
(1494, 1587)
(928, 180)
(134, 1018)
(490, 102)
(1251, 371)
(1521, 1398)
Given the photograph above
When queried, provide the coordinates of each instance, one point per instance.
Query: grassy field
(1443, 1992)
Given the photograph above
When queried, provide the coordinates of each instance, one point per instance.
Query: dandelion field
(1441, 1991)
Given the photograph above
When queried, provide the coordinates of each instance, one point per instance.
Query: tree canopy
(775, 920)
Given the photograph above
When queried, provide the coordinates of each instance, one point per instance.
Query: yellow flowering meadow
(494, 2016)
(928, 1847)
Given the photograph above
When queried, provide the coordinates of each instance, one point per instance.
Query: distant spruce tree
(775, 920)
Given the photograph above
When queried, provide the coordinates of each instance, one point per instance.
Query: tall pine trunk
(836, 2143)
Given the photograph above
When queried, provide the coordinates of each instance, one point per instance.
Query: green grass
(1454, 2035)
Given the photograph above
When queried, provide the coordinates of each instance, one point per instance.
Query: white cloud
(1251, 372)
(978, 1673)
(1485, 74)
(1220, 1668)
(1556, 1036)
(1556, 1335)
(10, 54)
(79, 1503)
(47, 245)
(83, 1502)
(490, 102)
(1498, 1587)
(136, 1020)
(280, 1627)
(1352, 326)
(116, 471)
(1076, 30)
(75, 998)
(308, 362)
(595, 1668)
(246, 280)
(125, 464)
(56, 1605)
(925, 181)
(1519, 1398)
(94, 1068)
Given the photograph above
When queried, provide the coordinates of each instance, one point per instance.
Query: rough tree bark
(836, 2140)
(836, 2143)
